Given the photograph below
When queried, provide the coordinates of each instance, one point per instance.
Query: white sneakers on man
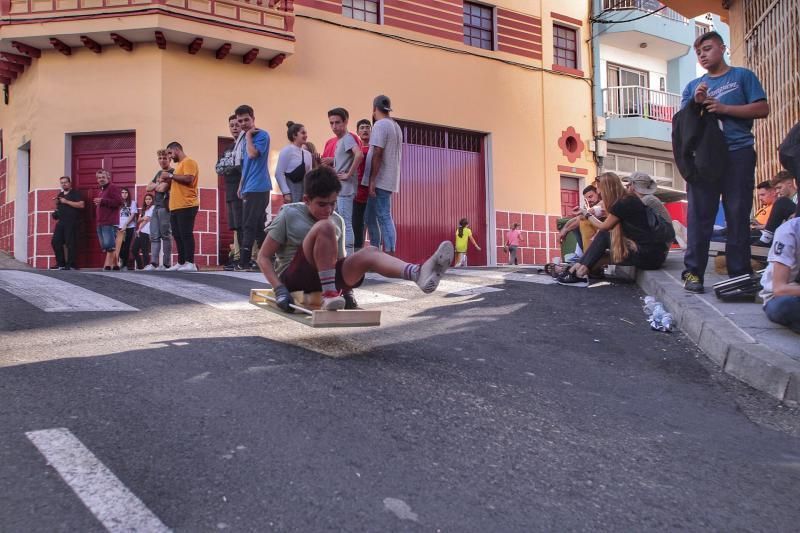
(149, 267)
(175, 267)
(187, 267)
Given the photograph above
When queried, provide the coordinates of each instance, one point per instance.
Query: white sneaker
(161, 268)
(332, 302)
(173, 268)
(187, 267)
(149, 268)
(433, 269)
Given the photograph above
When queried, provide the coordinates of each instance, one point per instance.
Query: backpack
(661, 230)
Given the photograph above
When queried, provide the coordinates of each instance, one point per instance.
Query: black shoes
(569, 278)
(692, 283)
(350, 300)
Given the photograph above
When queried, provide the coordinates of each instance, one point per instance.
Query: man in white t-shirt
(781, 281)
(382, 175)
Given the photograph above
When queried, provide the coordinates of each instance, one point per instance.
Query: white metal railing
(650, 6)
(642, 102)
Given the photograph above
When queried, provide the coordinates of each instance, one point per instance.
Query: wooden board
(317, 318)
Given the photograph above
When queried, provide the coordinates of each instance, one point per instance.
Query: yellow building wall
(171, 95)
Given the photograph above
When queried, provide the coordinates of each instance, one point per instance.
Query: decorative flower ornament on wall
(571, 144)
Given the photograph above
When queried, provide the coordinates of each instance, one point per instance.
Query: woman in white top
(141, 244)
(293, 163)
(125, 229)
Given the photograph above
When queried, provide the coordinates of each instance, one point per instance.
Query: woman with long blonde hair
(626, 233)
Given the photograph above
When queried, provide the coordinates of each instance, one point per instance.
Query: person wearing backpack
(293, 163)
(632, 233)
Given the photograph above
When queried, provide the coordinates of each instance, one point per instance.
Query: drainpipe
(596, 111)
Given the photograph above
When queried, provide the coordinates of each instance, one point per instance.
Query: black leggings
(358, 224)
(125, 249)
(141, 250)
(647, 257)
(182, 222)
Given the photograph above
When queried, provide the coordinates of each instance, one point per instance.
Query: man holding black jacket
(65, 235)
(735, 96)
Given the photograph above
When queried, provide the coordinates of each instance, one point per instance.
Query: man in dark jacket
(108, 202)
(68, 208)
(735, 95)
(232, 173)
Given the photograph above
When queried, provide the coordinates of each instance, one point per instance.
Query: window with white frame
(366, 10)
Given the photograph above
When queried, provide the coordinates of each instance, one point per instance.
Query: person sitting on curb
(584, 229)
(632, 232)
(645, 187)
(782, 209)
(781, 280)
(307, 239)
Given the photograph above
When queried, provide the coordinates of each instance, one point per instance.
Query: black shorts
(234, 214)
(301, 276)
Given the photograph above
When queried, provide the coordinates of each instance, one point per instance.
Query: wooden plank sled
(307, 311)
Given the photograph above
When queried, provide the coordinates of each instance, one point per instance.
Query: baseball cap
(383, 103)
(643, 183)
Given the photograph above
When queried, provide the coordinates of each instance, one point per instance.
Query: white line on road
(56, 296)
(455, 288)
(116, 507)
(204, 294)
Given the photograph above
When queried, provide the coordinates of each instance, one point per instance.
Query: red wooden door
(115, 152)
(570, 197)
(225, 233)
(442, 180)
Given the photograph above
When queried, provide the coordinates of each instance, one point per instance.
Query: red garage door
(115, 152)
(443, 179)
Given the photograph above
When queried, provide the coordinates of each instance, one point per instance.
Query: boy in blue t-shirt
(252, 150)
(736, 96)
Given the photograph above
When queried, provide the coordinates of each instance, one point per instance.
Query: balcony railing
(266, 14)
(649, 6)
(619, 102)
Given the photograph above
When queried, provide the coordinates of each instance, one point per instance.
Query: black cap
(383, 103)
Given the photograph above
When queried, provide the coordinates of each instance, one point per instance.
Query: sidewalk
(7, 261)
(737, 336)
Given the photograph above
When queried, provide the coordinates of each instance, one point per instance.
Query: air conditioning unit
(600, 125)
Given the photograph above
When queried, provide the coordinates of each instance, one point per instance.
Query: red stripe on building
(429, 7)
(524, 35)
(520, 17)
(517, 25)
(404, 24)
(527, 45)
(564, 18)
(453, 24)
(330, 6)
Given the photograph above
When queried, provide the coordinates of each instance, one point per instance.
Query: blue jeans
(107, 235)
(344, 206)
(380, 225)
(736, 188)
(784, 310)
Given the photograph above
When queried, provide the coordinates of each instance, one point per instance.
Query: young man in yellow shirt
(184, 202)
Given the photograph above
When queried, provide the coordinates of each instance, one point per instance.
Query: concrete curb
(736, 352)
(6, 261)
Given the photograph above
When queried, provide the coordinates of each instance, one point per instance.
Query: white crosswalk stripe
(56, 296)
(455, 288)
(364, 296)
(198, 292)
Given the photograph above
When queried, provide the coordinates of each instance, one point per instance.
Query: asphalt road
(528, 408)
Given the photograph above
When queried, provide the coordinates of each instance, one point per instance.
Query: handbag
(297, 175)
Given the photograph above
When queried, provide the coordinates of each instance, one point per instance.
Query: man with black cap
(645, 187)
(382, 175)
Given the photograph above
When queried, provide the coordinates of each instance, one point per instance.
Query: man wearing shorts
(108, 202)
(307, 240)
